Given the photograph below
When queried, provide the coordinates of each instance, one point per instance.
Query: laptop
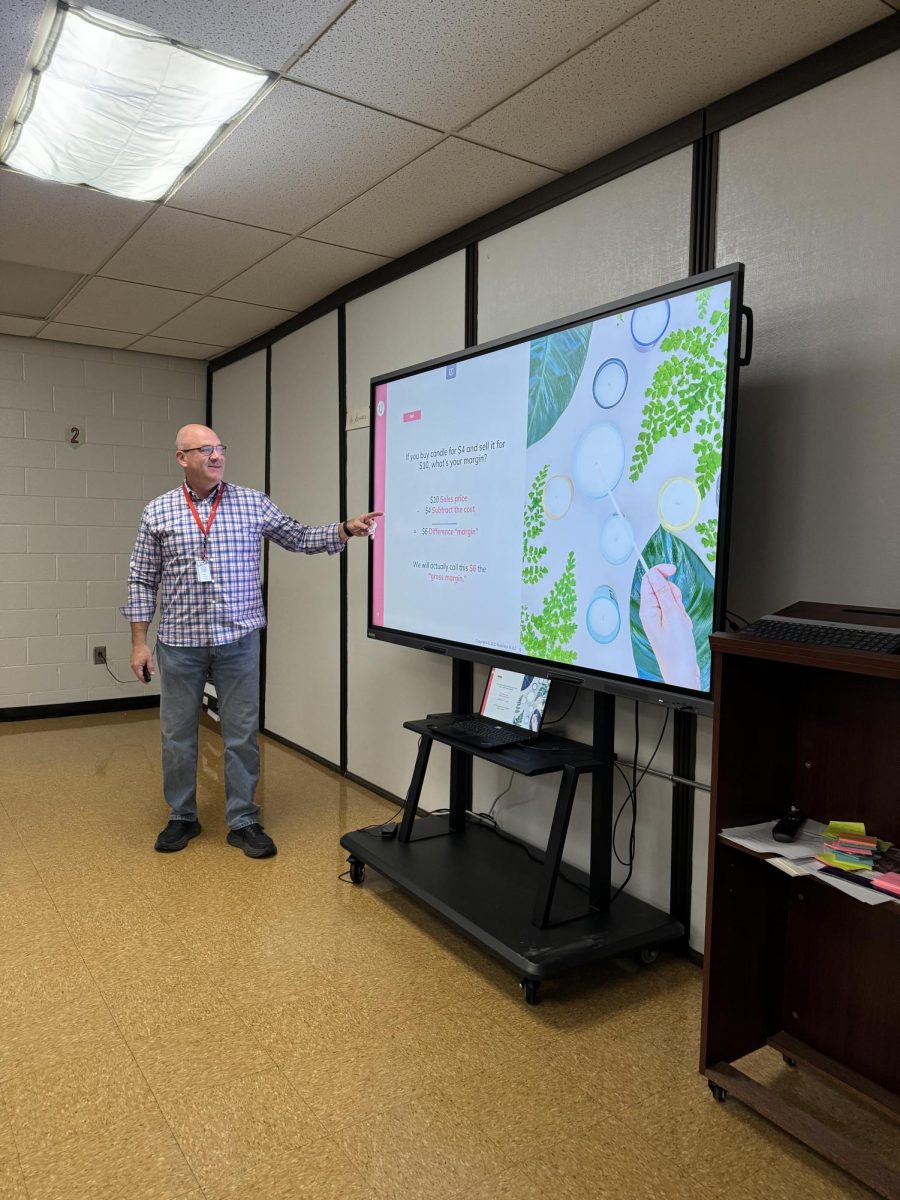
(512, 711)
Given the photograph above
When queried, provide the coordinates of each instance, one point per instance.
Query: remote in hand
(146, 674)
(787, 828)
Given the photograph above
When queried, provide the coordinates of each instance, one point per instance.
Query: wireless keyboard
(815, 633)
(481, 732)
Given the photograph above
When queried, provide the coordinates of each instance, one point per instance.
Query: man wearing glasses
(198, 550)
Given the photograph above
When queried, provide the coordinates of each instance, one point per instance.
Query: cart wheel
(648, 955)
(791, 1062)
(532, 990)
(719, 1093)
(357, 869)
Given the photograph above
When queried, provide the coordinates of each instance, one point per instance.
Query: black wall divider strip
(267, 487)
(463, 673)
(704, 182)
(851, 52)
(342, 513)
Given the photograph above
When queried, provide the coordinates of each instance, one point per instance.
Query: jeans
(234, 671)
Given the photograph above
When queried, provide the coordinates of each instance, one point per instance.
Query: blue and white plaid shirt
(169, 543)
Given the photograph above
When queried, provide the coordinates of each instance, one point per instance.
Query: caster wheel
(357, 870)
(719, 1093)
(647, 956)
(790, 1062)
(532, 990)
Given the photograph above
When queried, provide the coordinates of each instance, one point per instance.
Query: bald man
(197, 551)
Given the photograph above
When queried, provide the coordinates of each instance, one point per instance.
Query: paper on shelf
(857, 891)
(811, 866)
(759, 838)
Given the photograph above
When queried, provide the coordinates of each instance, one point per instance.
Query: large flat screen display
(562, 497)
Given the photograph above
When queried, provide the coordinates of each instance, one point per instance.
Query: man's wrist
(347, 534)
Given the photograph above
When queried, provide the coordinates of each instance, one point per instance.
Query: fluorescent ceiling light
(122, 108)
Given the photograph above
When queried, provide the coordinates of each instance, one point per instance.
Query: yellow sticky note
(830, 861)
(837, 828)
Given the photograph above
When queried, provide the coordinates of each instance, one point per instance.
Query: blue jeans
(234, 671)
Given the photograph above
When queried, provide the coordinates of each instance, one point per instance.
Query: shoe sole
(234, 840)
(172, 847)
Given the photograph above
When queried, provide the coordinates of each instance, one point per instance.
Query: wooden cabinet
(792, 962)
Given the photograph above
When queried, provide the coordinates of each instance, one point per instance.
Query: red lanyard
(204, 529)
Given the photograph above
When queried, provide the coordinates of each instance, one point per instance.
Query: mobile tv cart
(524, 912)
(791, 962)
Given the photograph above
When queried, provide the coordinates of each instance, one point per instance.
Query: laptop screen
(515, 699)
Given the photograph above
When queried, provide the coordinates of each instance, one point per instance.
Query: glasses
(206, 451)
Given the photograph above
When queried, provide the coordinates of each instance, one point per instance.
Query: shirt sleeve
(144, 574)
(294, 536)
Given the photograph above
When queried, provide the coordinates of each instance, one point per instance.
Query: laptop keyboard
(843, 637)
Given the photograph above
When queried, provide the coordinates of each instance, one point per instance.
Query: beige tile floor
(200, 1025)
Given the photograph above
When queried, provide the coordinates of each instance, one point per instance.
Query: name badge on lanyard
(201, 564)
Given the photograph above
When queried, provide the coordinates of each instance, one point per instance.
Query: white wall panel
(416, 318)
(627, 236)
(624, 237)
(239, 418)
(303, 646)
(808, 199)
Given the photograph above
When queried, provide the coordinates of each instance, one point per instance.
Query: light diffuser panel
(122, 108)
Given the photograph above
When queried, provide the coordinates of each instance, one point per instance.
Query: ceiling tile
(222, 322)
(20, 23)
(440, 191)
(312, 150)
(300, 273)
(668, 61)
(130, 307)
(182, 250)
(439, 63)
(265, 35)
(85, 336)
(198, 350)
(28, 291)
(19, 326)
(54, 225)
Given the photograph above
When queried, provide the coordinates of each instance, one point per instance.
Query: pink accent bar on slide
(378, 544)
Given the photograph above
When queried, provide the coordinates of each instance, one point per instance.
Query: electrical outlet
(99, 656)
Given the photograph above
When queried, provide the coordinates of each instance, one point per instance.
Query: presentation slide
(559, 498)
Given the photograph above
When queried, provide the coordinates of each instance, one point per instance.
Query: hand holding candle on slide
(668, 627)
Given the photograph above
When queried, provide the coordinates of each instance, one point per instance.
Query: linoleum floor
(202, 1025)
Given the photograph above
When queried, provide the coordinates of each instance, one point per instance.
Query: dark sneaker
(176, 835)
(253, 840)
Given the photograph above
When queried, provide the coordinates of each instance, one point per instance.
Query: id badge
(204, 574)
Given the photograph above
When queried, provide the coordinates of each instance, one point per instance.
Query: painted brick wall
(69, 513)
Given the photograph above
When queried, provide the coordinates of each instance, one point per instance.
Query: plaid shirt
(169, 543)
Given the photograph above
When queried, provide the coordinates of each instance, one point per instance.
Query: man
(198, 546)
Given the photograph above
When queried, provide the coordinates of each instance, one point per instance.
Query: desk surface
(546, 753)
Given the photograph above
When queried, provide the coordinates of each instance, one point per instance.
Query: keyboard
(814, 633)
(479, 731)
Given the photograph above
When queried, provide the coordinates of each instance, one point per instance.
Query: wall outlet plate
(99, 656)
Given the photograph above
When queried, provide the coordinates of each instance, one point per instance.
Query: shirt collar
(202, 499)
